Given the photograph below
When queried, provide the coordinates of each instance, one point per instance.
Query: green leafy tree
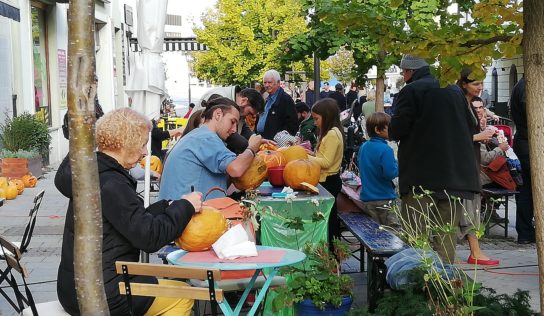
(342, 65)
(243, 37)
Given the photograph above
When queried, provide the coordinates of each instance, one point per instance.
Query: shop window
(42, 101)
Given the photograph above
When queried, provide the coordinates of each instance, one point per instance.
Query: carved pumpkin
(155, 164)
(3, 183)
(18, 184)
(268, 147)
(293, 153)
(29, 181)
(203, 230)
(253, 177)
(301, 170)
(272, 158)
(11, 191)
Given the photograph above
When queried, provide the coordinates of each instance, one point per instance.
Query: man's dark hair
(326, 83)
(191, 105)
(302, 107)
(254, 98)
(377, 120)
(476, 99)
(225, 104)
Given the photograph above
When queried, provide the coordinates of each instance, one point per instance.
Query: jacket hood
(420, 73)
(63, 178)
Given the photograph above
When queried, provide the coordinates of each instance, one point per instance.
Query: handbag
(499, 173)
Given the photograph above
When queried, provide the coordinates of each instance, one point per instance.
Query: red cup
(275, 176)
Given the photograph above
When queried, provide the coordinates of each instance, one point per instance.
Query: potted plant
(24, 137)
(317, 288)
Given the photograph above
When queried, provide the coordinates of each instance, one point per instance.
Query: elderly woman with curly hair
(128, 227)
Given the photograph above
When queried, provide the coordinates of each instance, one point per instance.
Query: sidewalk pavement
(518, 269)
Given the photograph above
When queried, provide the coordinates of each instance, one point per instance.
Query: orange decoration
(299, 171)
(3, 183)
(203, 230)
(29, 181)
(11, 191)
(253, 177)
(155, 164)
(272, 158)
(268, 147)
(293, 153)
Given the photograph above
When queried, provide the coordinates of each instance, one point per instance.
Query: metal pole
(317, 82)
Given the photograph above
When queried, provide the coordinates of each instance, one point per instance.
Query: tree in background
(243, 38)
(87, 207)
(343, 65)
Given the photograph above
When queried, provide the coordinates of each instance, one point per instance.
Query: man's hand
(195, 198)
(254, 142)
(176, 132)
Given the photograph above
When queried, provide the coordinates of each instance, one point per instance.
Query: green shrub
(28, 154)
(25, 132)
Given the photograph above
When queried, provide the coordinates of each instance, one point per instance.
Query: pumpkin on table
(272, 158)
(203, 230)
(155, 164)
(3, 183)
(253, 177)
(18, 184)
(11, 191)
(293, 153)
(299, 171)
(29, 181)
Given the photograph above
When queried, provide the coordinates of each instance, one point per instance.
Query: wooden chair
(129, 288)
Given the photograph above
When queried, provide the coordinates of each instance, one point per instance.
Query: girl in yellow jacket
(328, 154)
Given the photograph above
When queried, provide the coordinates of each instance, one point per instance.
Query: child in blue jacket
(378, 167)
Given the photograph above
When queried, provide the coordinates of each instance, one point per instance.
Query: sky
(193, 11)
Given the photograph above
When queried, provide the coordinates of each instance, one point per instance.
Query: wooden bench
(379, 245)
(501, 196)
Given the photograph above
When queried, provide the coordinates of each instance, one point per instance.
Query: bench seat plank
(378, 242)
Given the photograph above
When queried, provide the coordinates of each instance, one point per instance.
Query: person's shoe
(525, 241)
(490, 262)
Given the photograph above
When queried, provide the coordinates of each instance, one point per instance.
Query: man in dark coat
(339, 96)
(435, 127)
(279, 112)
(524, 200)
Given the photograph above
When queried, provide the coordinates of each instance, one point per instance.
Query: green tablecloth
(274, 233)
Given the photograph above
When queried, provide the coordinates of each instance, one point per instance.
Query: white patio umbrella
(145, 84)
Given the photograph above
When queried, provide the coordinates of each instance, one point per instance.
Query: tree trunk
(86, 198)
(533, 58)
(380, 77)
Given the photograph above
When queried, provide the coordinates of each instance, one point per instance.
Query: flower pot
(307, 307)
(14, 167)
(275, 176)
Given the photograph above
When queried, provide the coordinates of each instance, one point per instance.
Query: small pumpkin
(203, 230)
(272, 158)
(18, 184)
(11, 191)
(29, 181)
(253, 177)
(293, 153)
(2, 193)
(3, 183)
(155, 164)
(301, 170)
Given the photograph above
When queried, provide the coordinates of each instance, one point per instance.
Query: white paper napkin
(234, 243)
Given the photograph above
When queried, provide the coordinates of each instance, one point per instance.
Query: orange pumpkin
(268, 147)
(293, 153)
(253, 177)
(3, 183)
(11, 191)
(29, 181)
(203, 230)
(19, 184)
(301, 170)
(2, 194)
(155, 164)
(272, 158)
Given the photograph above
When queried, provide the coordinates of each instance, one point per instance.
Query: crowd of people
(440, 151)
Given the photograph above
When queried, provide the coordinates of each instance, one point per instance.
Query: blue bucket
(307, 307)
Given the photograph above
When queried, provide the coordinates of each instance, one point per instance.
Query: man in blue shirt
(201, 160)
(378, 167)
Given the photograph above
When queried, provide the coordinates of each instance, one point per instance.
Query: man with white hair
(279, 112)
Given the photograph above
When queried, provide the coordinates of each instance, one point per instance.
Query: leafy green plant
(28, 154)
(25, 132)
(319, 279)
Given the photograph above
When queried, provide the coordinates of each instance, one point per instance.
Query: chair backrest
(12, 254)
(31, 221)
(171, 271)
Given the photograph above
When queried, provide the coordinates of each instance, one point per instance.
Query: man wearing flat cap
(434, 128)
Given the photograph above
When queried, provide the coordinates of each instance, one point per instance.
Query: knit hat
(302, 107)
(339, 87)
(412, 62)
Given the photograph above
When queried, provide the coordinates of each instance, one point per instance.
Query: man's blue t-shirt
(199, 160)
(377, 168)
